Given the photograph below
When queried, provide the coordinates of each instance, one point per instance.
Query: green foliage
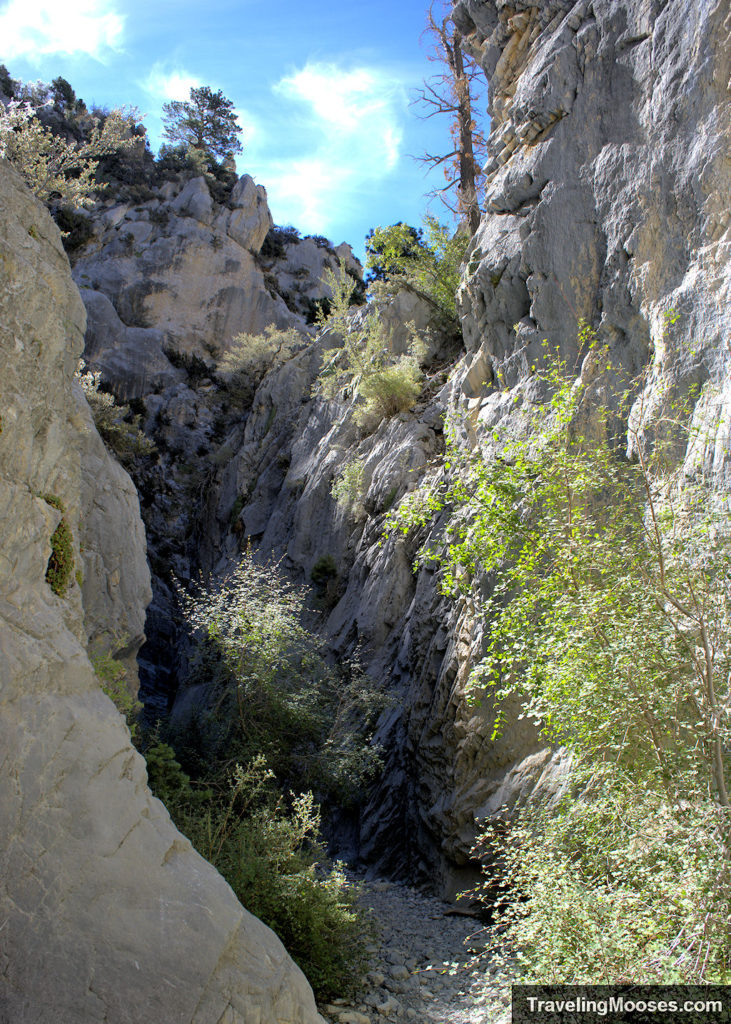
(267, 849)
(348, 488)
(112, 676)
(53, 167)
(64, 97)
(250, 357)
(608, 613)
(61, 563)
(325, 579)
(206, 122)
(387, 383)
(236, 510)
(400, 258)
(272, 693)
(118, 427)
(388, 249)
(617, 887)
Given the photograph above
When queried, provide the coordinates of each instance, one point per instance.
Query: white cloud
(31, 29)
(170, 85)
(352, 122)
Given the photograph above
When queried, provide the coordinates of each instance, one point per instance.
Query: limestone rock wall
(608, 166)
(606, 176)
(114, 574)
(180, 275)
(106, 911)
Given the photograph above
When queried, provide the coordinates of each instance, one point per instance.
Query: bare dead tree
(452, 93)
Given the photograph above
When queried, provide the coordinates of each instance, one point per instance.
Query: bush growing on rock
(266, 846)
(250, 357)
(347, 488)
(53, 167)
(366, 365)
(277, 724)
(61, 563)
(118, 426)
(270, 690)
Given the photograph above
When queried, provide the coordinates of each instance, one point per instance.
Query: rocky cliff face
(607, 171)
(608, 164)
(179, 275)
(107, 912)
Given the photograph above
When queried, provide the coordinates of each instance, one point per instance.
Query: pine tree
(206, 122)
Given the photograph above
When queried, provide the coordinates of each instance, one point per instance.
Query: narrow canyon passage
(427, 965)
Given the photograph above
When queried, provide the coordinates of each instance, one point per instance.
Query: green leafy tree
(408, 244)
(425, 263)
(206, 122)
(609, 613)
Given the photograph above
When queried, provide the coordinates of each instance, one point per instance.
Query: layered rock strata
(106, 911)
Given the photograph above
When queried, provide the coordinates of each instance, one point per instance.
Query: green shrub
(401, 259)
(347, 488)
(236, 510)
(250, 357)
(608, 613)
(76, 227)
(323, 570)
(386, 383)
(620, 887)
(324, 576)
(54, 166)
(267, 849)
(61, 563)
(112, 676)
(118, 427)
(271, 691)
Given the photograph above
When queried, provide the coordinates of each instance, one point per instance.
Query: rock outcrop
(106, 911)
(177, 276)
(114, 575)
(608, 164)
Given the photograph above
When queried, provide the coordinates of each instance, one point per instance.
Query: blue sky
(323, 90)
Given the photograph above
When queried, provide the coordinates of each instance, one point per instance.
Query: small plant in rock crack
(348, 488)
(61, 563)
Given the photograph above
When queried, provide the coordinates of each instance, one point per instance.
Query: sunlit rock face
(606, 177)
(107, 913)
(180, 274)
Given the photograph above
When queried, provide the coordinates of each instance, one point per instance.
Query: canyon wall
(106, 911)
(606, 183)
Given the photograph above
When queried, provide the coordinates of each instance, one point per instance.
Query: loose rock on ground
(426, 966)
